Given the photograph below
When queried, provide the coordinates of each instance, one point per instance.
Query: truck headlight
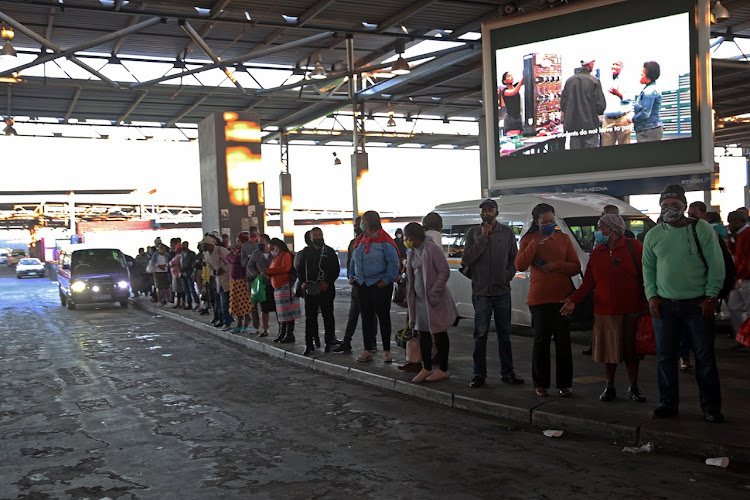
(78, 286)
(122, 285)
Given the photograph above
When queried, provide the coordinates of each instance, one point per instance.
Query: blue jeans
(224, 299)
(484, 306)
(677, 315)
(190, 292)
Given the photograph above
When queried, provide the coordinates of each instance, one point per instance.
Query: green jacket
(672, 266)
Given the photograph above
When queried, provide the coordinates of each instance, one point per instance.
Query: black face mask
(261, 246)
(318, 242)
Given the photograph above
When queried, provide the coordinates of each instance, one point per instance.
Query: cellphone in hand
(540, 262)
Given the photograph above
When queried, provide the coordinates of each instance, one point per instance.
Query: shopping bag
(413, 352)
(645, 338)
(258, 290)
(743, 334)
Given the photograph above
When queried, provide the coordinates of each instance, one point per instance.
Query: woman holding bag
(431, 306)
(553, 260)
(287, 304)
(614, 275)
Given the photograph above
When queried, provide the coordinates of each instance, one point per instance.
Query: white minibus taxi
(576, 215)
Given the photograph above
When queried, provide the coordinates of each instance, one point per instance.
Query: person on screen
(581, 103)
(617, 128)
(646, 121)
(511, 99)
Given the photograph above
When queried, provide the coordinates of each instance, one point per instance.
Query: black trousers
(324, 302)
(443, 346)
(374, 303)
(548, 323)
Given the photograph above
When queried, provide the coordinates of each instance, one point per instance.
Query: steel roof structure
(184, 59)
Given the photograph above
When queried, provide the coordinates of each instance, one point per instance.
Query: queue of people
(675, 274)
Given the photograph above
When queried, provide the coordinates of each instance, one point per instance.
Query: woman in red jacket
(553, 260)
(287, 305)
(614, 275)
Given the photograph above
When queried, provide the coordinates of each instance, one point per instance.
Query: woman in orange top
(552, 258)
(287, 305)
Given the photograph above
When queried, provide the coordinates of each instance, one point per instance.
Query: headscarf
(243, 237)
(615, 222)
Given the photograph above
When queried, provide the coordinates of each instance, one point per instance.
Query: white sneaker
(226, 328)
(253, 331)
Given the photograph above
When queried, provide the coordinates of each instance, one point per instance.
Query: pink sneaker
(387, 357)
(421, 376)
(365, 357)
(438, 375)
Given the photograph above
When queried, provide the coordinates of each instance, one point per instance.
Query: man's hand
(351, 281)
(616, 92)
(486, 229)
(653, 307)
(382, 284)
(323, 286)
(567, 308)
(550, 267)
(163, 266)
(303, 286)
(708, 307)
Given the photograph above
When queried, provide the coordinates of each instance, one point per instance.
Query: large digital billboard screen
(617, 89)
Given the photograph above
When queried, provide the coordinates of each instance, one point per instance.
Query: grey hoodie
(490, 259)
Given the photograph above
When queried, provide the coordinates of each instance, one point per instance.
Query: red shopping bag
(743, 334)
(645, 339)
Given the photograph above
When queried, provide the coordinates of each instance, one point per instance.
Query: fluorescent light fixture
(369, 26)
(290, 19)
(202, 12)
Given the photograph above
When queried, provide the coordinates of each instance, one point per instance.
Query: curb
(536, 416)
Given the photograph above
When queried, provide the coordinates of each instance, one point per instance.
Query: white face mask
(274, 252)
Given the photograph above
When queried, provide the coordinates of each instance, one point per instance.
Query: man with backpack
(683, 274)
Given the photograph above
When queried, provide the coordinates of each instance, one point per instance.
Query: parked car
(30, 267)
(4, 255)
(15, 255)
(92, 275)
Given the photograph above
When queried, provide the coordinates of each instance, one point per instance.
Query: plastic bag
(258, 290)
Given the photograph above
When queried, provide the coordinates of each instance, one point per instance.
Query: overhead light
(720, 12)
(369, 116)
(297, 70)
(446, 120)
(7, 34)
(408, 118)
(319, 73)
(400, 66)
(391, 122)
(336, 159)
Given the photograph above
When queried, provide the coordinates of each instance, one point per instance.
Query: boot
(316, 338)
(282, 333)
(289, 338)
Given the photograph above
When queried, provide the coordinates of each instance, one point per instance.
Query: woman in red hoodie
(287, 305)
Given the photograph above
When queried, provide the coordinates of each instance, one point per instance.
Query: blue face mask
(600, 238)
(548, 229)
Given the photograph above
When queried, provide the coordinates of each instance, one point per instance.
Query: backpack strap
(694, 222)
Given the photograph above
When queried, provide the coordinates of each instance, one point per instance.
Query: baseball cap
(490, 202)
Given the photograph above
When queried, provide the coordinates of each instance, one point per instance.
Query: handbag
(258, 290)
(150, 268)
(313, 287)
(413, 351)
(404, 335)
(645, 338)
(743, 333)
(399, 292)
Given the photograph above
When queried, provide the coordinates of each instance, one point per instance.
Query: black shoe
(288, 339)
(337, 342)
(308, 350)
(282, 333)
(512, 379)
(204, 312)
(665, 412)
(342, 349)
(328, 347)
(635, 394)
(609, 394)
(317, 341)
(477, 381)
(713, 417)
(586, 352)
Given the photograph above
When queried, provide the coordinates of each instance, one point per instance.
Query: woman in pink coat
(431, 306)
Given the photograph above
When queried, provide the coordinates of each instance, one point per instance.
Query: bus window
(454, 240)
(583, 229)
(516, 227)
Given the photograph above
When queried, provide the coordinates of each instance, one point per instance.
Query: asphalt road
(104, 402)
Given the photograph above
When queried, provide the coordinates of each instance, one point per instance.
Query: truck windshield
(97, 261)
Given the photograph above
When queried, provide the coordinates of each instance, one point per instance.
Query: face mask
(548, 229)
(274, 253)
(361, 226)
(318, 242)
(488, 219)
(670, 214)
(408, 244)
(399, 236)
(261, 246)
(254, 239)
(600, 238)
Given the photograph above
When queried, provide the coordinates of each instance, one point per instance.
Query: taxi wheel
(71, 304)
(124, 303)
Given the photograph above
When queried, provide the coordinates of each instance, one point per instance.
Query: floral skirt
(239, 300)
(287, 305)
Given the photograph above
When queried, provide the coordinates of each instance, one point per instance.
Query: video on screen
(612, 87)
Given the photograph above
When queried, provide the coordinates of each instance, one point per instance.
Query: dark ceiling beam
(50, 23)
(722, 112)
(216, 11)
(444, 78)
(313, 12)
(70, 52)
(132, 106)
(171, 122)
(403, 14)
(238, 59)
(72, 104)
(210, 53)
(119, 5)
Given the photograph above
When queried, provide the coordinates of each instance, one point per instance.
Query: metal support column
(359, 157)
(286, 213)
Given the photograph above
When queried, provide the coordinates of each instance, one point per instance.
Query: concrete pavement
(623, 421)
